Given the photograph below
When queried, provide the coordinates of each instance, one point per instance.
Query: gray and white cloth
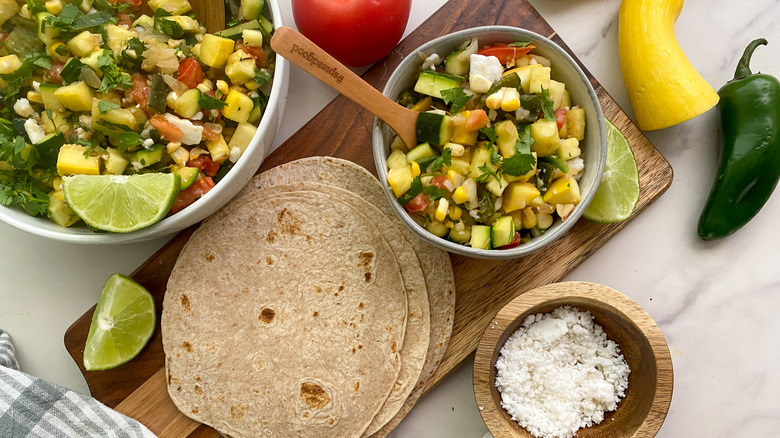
(31, 407)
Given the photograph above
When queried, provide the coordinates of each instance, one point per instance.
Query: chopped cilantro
(434, 192)
(18, 79)
(262, 77)
(519, 44)
(486, 174)
(71, 71)
(36, 6)
(168, 27)
(105, 106)
(456, 96)
(547, 105)
(557, 162)
(445, 159)
(490, 133)
(413, 191)
(210, 103)
(522, 161)
(110, 5)
(113, 77)
(71, 20)
(127, 140)
(495, 157)
(130, 57)
(18, 186)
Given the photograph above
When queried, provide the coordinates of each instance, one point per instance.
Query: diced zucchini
(187, 24)
(251, 9)
(187, 104)
(434, 128)
(147, 157)
(423, 154)
(144, 21)
(75, 97)
(397, 159)
(115, 163)
(480, 237)
(112, 121)
(215, 50)
(236, 31)
(72, 160)
(158, 91)
(455, 66)
(46, 33)
(575, 123)
(545, 135)
(518, 195)
(50, 101)
(59, 211)
(49, 148)
(174, 7)
(462, 237)
(92, 61)
(503, 231)
(433, 83)
(218, 149)
(238, 106)
(437, 229)
(569, 148)
(188, 176)
(84, 43)
(242, 136)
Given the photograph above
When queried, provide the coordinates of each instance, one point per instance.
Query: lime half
(616, 197)
(122, 324)
(121, 203)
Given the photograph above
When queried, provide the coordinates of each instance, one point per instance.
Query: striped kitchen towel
(34, 408)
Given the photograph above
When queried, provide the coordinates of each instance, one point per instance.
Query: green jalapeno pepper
(749, 168)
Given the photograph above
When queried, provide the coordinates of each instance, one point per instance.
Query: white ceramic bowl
(223, 192)
(564, 69)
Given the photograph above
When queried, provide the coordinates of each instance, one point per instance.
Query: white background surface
(717, 303)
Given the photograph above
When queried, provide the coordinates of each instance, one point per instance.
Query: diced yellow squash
(115, 163)
(76, 96)
(545, 135)
(518, 195)
(144, 21)
(146, 157)
(242, 136)
(187, 24)
(187, 104)
(539, 77)
(480, 157)
(569, 148)
(54, 121)
(240, 67)
(73, 160)
(8, 8)
(524, 73)
(218, 149)
(575, 123)
(557, 90)
(252, 37)
(117, 35)
(84, 43)
(563, 190)
(59, 211)
(215, 50)
(238, 106)
(9, 63)
(461, 164)
(497, 187)
(397, 159)
(400, 180)
(119, 116)
(175, 7)
(91, 60)
(139, 114)
(506, 137)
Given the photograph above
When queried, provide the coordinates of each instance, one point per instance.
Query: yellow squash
(663, 87)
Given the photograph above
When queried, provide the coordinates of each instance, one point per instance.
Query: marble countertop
(716, 302)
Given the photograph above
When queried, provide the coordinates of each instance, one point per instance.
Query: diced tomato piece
(52, 75)
(478, 119)
(418, 203)
(140, 90)
(123, 19)
(560, 117)
(186, 197)
(515, 242)
(438, 181)
(190, 73)
(168, 131)
(255, 52)
(205, 164)
(506, 53)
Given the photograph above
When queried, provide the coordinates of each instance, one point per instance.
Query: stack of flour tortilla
(306, 308)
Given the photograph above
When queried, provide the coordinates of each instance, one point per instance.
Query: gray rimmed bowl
(564, 69)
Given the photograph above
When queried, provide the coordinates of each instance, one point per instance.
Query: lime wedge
(618, 192)
(122, 324)
(121, 203)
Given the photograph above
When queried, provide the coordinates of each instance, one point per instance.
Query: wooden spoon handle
(311, 58)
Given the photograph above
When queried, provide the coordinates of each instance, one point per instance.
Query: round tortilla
(435, 264)
(417, 337)
(285, 317)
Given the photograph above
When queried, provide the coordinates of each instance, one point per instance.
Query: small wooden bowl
(643, 410)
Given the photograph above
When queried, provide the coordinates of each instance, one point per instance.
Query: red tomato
(560, 117)
(52, 75)
(168, 131)
(438, 181)
(205, 164)
(356, 32)
(140, 90)
(478, 119)
(190, 73)
(515, 242)
(186, 197)
(255, 52)
(505, 53)
(418, 203)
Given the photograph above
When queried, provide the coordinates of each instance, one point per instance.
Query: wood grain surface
(343, 129)
(651, 381)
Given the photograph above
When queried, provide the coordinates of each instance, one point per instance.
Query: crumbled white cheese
(147, 143)
(23, 108)
(483, 71)
(192, 133)
(34, 131)
(558, 373)
(575, 165)
(235, 154)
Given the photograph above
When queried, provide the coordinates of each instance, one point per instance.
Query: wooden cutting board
(342, 129)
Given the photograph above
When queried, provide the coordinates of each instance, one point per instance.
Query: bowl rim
(535, 244)
(509, 316)
(209, 202)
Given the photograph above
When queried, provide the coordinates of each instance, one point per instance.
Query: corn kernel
(511, 100)
(203, 87)
(528, 218)
(441, 211)
(455, 212)
(34, 96)
(59, 194)
(460, 195)
(180, 156)
(54, 7)
(494, 100)
(56, 183)
(172, 146)
(223, 86)
(544, 221)
(170, 99)
(415, 169)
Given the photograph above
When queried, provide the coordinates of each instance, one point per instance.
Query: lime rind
(121, 203)
(122, 324)
(618, 192)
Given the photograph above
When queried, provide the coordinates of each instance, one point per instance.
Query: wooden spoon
(211, 13)
(308, 56)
